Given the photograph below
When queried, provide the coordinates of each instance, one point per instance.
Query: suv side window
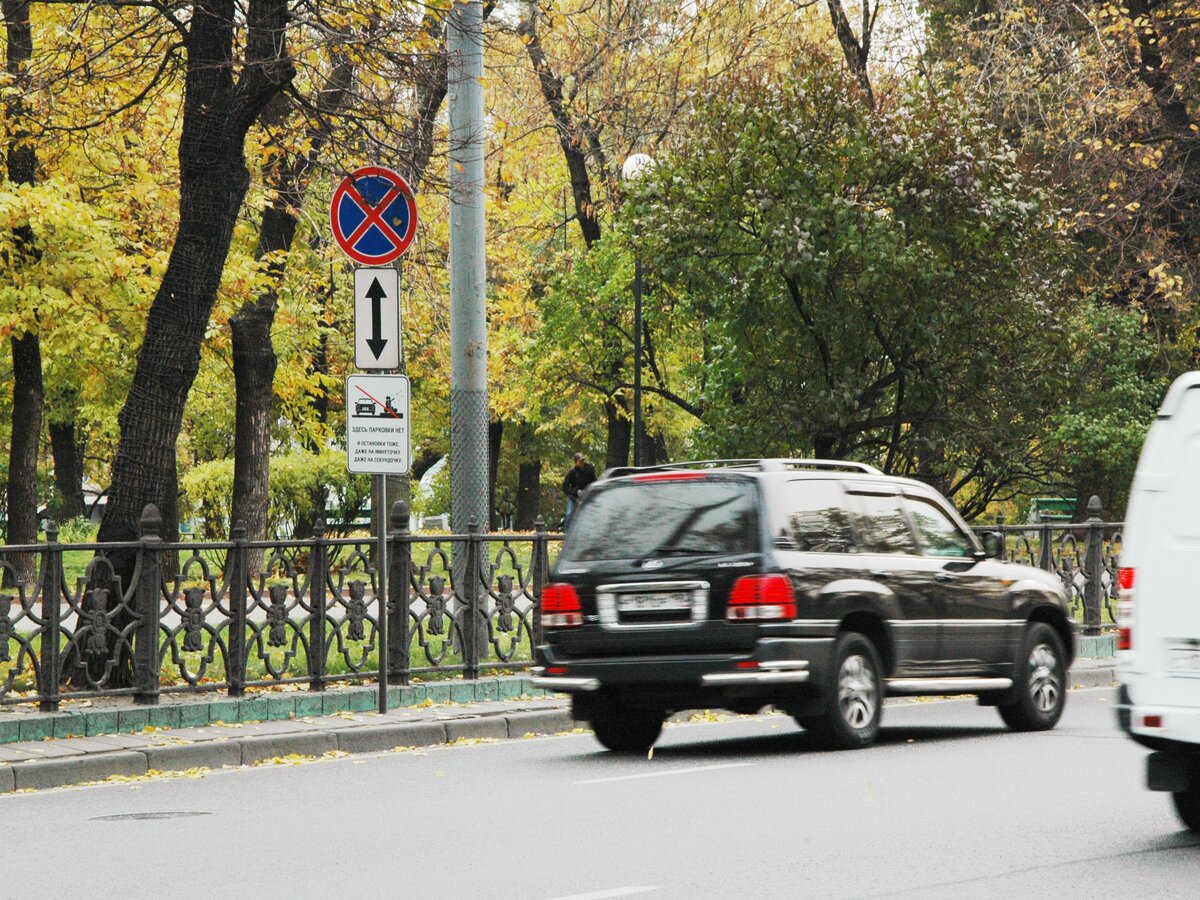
(813, 514)
(883, 524)
(936, 531)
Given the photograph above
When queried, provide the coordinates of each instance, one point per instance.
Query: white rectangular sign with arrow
(376, 319)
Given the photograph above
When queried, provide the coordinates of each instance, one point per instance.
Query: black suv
(814, 586)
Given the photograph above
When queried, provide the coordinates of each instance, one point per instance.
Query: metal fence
(226, 616)
(1082, 554)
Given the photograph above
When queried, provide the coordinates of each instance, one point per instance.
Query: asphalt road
(947, 804)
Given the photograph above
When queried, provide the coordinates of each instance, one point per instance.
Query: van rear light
(762, 598)
(561, 607)
(1125, 581)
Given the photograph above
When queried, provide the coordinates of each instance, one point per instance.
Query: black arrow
(376, 294)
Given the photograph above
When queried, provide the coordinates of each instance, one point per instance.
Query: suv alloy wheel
(852, 718)
(1040, 683)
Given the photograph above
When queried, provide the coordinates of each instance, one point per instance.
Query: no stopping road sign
(373, 215)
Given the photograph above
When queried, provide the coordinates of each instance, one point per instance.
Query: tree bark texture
(68, 470)
(620, 431)
(571, 134)
(21, 496)
(495, 441)
(254, 360)
(529, 494)
(218, 111)
(857, 50)
(217, 114)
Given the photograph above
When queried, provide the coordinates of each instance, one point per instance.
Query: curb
(184, 710)
(1102, 676)
(61, 771)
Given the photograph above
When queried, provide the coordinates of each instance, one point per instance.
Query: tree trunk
(529, 494)
(620, 429)
(254, 359)
(217, 114)
(23, 452)
(68, 471)
(529, 478)
(26, 349)
(495, 442)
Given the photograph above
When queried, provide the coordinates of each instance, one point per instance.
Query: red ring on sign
(373, 214)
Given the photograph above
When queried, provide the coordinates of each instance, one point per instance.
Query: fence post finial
(1094, 507)
(400, 516)
(151, 522)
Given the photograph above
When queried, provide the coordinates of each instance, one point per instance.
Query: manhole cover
(126, 817)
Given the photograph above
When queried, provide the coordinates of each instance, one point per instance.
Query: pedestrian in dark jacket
(581, 475)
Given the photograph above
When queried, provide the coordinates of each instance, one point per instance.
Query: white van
(1158, 639)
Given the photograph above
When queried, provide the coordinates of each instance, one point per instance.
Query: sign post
(373, 217)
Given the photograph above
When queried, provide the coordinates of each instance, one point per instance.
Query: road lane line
(664, 772)
(612, 892)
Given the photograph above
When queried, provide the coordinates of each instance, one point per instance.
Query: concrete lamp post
(636, 165)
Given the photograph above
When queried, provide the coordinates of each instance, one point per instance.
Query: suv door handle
(943, 576)
(876, 573)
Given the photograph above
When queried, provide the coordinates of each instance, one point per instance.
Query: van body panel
(1161, 543)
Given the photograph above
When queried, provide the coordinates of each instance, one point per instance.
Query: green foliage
(1119, 377)
(295, 479)
(437, 500)
(872, 284)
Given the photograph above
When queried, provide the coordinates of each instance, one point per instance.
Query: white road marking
(612, 892)
(664, 772)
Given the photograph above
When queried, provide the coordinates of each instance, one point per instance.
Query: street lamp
(636, 165)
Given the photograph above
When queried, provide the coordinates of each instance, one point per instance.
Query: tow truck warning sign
(377, 431)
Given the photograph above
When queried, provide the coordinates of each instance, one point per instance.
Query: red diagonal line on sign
(374, 215)
(383, 406)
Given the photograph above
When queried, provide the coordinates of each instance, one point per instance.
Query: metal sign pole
(381, 588)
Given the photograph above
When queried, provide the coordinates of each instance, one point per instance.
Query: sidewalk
(53, 762)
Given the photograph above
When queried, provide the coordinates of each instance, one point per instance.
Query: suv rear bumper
(775, 666)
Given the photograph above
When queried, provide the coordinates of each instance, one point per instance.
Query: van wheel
(852, 718)
(1187, 806)
(1040, 683)
(626, 729)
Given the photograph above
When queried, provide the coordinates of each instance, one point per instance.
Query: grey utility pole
(468, 310)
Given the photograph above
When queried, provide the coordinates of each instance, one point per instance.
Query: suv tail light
(1125, 579)
(761, 597)
(561, 607)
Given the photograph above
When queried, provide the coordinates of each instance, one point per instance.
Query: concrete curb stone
(484, 727)
(268, 746)
(380, 738)
(180, 757)
(8, 781)
(548, 721)
(1102, 676)
(73, 770)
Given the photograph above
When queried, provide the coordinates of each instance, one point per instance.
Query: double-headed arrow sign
(376, 303)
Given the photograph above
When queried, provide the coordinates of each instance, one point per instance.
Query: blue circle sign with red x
(374, 215)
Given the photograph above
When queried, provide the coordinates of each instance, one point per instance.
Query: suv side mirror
(993, 544)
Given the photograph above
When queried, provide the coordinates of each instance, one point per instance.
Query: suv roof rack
(757, 465)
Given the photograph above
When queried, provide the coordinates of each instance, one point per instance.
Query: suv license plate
(1185, 661)
(655, 602)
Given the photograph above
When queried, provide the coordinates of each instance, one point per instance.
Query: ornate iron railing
(1083, 555)
(227, 616)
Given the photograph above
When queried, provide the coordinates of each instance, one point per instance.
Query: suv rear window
(633, 520)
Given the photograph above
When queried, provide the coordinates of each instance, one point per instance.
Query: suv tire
(851, 720)
(1040, 684)
(627, 729)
